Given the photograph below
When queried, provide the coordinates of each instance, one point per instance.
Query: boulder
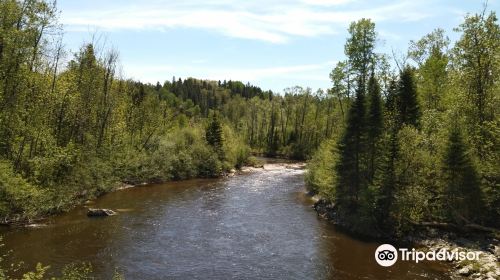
(100, 212)
(465, 271)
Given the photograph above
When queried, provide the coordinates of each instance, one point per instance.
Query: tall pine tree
(214, 136)
(388, 181)
(375, 124)
(351, 168)
(408, 108)
(462, 191)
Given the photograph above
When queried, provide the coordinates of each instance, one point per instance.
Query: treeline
(291, 124)
(420, 145)
(72, 130)
(396, 148)
(211, 95)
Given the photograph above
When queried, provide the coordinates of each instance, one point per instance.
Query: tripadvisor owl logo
(386, 255)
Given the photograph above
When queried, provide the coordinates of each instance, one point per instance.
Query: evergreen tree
(388, 182)
(351, 168)
(391, 100)
(462, 191)
(408, 108)
(214, 137)
(374, 123)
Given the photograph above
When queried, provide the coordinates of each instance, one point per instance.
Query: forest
(419, 145)
(71, 128)
(395, 143)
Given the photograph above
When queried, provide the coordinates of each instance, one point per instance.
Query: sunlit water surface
(252, 226)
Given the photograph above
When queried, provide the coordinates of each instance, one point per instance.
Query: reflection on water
(253, 226)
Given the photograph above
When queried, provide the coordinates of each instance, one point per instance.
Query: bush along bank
(432, 237)
(71, 177)
(419, 149)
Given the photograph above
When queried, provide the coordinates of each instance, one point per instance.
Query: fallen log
(468, 226)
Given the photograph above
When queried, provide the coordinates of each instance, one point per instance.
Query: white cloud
(327, 2)
(276, 23)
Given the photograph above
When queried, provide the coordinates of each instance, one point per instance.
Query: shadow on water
(253, 226)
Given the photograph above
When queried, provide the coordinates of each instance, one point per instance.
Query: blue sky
(270, 43)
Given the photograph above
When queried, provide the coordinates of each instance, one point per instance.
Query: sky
(273, 44)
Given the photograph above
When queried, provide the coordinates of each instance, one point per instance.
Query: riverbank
(257, 224)
(86, 197)
(486, 268)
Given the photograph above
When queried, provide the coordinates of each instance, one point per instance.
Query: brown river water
(258, 225)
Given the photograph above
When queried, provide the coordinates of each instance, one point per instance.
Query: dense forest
(416, 141)
(420, 147)
(394, 144)
(71, 128)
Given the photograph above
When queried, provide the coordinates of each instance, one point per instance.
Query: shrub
(18, 198)
(320, 177)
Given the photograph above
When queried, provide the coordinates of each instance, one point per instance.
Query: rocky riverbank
(274, 166)
(486, 268)
(87, 199)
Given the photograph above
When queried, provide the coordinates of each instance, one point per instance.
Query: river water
(258, 225)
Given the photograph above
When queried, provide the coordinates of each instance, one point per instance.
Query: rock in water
(100, 212)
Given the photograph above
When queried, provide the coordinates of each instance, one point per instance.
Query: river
(258, 225)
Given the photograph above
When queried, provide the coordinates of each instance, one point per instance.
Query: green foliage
(70, 135)
(76, 271)
(432, 75)
(407, 102)
(321, 177)
(17, 196)
(387, 181)
(461, 180)
(351, 167)
(476, 57)
(73, 271)
(236, 151)
(254, 162)
(400, 165)
(214, 136)
(417, 190)
(375, 125)
(360, 46)
(38, 274)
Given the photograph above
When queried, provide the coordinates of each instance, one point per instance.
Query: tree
(463, 195)
(351, 167)
(476, 56)
(214, 136)
(375, 124)
(430, 53)
(340, 77)
(408, 108)
(359, 48)
(388, 181)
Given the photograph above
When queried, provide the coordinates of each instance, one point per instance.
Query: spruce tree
(374, 124)
(408, 108)
(351, 168)
(462, 192)
(388, 181)
(391, 100)
(214, 137)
